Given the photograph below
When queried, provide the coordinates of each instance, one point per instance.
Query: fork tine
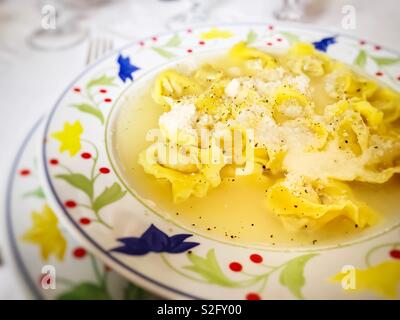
(107, 45)
(90, 52)
(97, 51)
(100, 48)
(103, 47)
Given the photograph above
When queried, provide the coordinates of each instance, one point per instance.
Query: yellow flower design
(70, 137)
(46, 234)
(215, 33)
(383, 278)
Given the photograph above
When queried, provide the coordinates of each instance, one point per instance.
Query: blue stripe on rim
(9, 218)
(50, 117)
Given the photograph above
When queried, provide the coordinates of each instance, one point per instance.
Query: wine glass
(291, 10)
(61, 24)
(198, 12)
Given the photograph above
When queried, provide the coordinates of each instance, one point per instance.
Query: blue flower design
(154, 240)
(323, 44)
(126, 69)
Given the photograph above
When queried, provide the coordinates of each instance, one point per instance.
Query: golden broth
(235, 211)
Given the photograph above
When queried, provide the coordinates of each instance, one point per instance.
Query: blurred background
(44, 44)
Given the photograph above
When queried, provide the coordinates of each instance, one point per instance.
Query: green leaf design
(164, 53)
(292, 275)
(209, 269)
(108, 196)
(101, 81)
(251, 37)
(78, 181)
(85, 291)
(174, 41)
(133, 292)
(361, 59)
(91, 110)
(382, 61)
(38, 193)
(291, 37)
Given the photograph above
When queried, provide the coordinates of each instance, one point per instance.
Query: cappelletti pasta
(317, 128)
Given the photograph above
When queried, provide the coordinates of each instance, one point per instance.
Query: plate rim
(11, 243)
(73, 227)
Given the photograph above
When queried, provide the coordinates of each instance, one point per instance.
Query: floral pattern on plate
(38, 242)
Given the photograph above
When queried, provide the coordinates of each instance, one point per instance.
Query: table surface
(30, 81)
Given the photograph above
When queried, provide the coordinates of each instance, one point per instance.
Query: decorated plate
(51, 263)
(89, 189)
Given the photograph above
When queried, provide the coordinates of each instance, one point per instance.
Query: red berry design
(395, 253)
(362, 42)
(141, 43)
(84, 221)
(53, 162)
(279, 39)
(253, 296)
(256, 258)
(104, 170)
(202, 43)
(107, 100)
(79, 252)
(25, 172)
(377, 48)
(235, 266)
(42, 276)
(189, 50)
(76, 89)
(379, 73)
(189, 30)
(103, 91)
(70, 204)
(398, 78)
(154, 39)
(86, 155)
(269, 43)
(270, 27)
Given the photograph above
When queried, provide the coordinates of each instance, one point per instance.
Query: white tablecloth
(30, 81)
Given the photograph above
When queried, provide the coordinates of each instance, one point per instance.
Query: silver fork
(98, 47)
